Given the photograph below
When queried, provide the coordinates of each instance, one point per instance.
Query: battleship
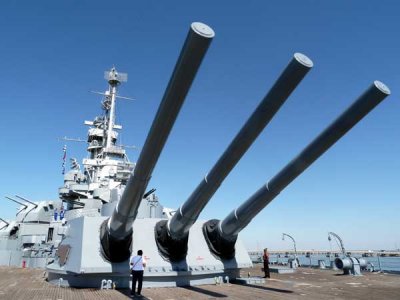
(105, 211)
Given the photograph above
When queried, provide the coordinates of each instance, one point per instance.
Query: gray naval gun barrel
(221, 235)
(5, 222)
(22, 204)
(116, 232)
(172, 236)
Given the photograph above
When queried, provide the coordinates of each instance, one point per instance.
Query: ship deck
(305, 283)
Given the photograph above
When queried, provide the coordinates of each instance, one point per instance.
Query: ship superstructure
(107, 166)
(32, 239)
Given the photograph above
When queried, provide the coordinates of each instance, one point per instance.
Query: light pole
(339, 241)
(294, 245)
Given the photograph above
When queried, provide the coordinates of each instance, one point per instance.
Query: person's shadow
(127, 293)
(139, 297)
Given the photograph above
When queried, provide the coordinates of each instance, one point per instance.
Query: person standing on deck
(55, 214)
(62, 213)
(266, 263)
(137, 264)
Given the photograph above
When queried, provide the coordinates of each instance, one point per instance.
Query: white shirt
(137, 263)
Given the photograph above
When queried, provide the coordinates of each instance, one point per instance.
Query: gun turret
(172, 236)
(116, 232)
(221, 235)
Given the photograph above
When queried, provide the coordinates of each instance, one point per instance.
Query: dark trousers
(266, 269)
(137, 276)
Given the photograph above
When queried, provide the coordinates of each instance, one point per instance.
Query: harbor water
(380, 263)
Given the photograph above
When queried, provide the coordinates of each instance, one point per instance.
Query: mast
(107, 165)
(114, 79)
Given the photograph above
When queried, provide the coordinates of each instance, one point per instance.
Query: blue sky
(54, 52)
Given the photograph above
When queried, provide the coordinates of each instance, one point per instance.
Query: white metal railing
(76, 213)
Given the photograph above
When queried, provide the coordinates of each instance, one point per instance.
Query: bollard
(103, 284)
(109, 284)
(321, 264)
(333, 265)
(293, 263)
